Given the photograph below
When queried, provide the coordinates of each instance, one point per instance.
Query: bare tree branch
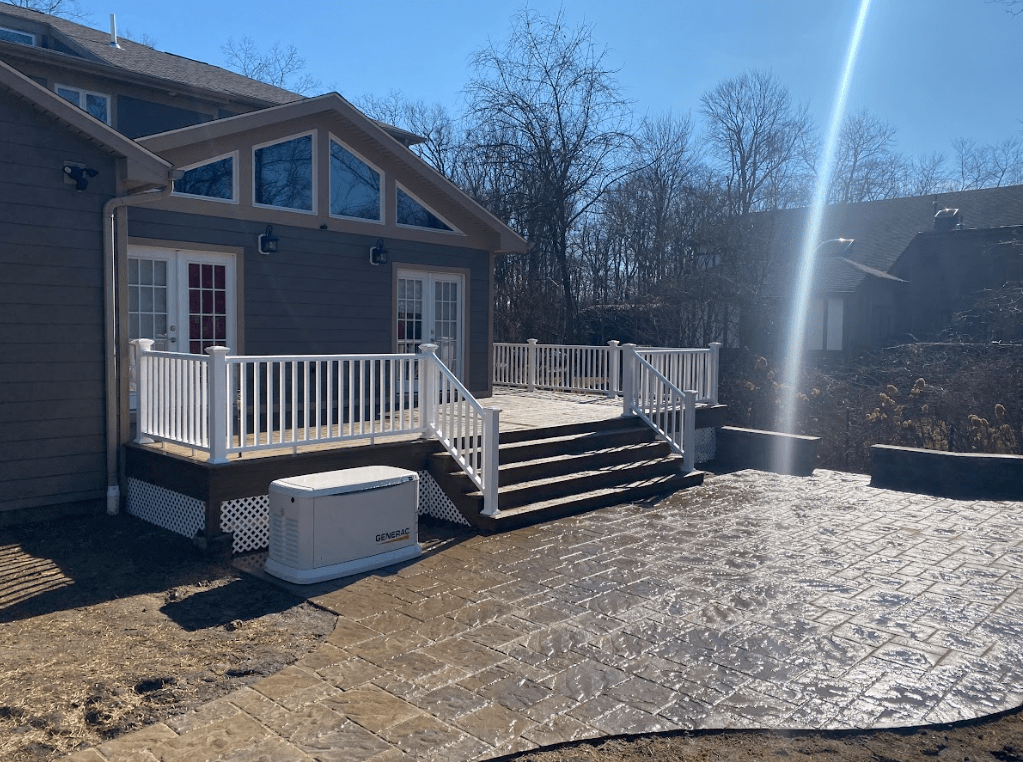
(278, 66)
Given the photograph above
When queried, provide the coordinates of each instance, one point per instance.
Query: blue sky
(936, 69)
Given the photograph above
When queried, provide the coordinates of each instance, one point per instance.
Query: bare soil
(108, 624)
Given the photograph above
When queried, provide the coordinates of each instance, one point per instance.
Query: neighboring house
(888, 270)
(263, 242)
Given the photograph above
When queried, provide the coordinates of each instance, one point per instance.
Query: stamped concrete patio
(755, 601)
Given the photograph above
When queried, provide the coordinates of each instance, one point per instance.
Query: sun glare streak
(811, 243)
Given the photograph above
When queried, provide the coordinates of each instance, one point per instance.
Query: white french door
(184, 300)
(430, 310)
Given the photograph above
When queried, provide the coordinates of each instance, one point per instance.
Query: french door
(430, 310)
(184, 300)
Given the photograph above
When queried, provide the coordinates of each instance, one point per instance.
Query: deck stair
(558, 471)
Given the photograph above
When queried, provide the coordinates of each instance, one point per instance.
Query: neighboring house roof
(144, 168)
(881, 230)
(132, 56)
(414, 167)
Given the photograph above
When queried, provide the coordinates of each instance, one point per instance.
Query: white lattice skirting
(249, 517)
(706, 444)
(171, 510)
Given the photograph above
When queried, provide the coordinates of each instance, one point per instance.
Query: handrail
(179, 411)
(468, 430)
(668, 410)
(584, 368)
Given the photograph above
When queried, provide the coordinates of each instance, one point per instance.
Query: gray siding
(52, 437)
(137, 117)
(319, 294)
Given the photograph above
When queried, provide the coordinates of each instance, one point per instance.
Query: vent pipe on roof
(113, 32)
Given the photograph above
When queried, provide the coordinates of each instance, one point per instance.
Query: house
(148, 196)
(888, 270)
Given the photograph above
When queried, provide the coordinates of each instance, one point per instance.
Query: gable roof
(94, 45)
(414, 168)
(143, 167)
(881, 231)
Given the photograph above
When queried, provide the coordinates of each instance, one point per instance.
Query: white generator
(336, 523)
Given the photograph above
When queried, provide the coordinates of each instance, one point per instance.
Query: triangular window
(414, 214)
(354, 185)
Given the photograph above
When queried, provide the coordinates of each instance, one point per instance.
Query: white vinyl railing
(558, 367)
(178, 408)
(225, 405)
(600, 369)
(668, 410)
(468, 431)
(695, 369)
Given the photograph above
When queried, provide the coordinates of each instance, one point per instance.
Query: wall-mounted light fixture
(378, 254)
(78, 175)
(267, 242)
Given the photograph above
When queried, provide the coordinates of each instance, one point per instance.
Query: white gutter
(111, 359)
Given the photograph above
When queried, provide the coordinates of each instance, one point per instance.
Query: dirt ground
(108, 624)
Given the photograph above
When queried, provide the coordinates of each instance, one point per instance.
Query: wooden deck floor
(520, 410)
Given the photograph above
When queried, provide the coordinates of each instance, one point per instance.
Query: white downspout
(111, 359)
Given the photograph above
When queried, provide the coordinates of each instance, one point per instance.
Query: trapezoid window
(97, 104)
(283, 174)
(214, 179)
(354, 185)
(16, 35)
(413, 213)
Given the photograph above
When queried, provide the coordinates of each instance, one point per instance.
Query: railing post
(630, 365)
(491, 450)
(428, 388)
(689, 431)
(614, 360)
(142, 390)
(217, 406)
(531, 365)
(715, 358)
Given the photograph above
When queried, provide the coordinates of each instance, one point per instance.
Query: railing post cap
(217, 351)
(144, 344)
(613, 343)
(532, 341)
(429, 349)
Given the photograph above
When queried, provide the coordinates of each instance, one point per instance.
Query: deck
(520, 410)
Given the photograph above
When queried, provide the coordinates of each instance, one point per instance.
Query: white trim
(315, 173)
(454, 230)
(22, 32)
(57, 87)
(234, 156)
(331, 137)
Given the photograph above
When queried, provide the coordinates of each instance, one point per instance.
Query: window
(16, 35)
(412, 213)
(824, 325)
(96, 104)
(283, 174)
(214, 179)
(354, 185)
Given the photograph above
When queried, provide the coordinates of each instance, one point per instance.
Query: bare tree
(278, 66)
(756, 132)
(555, 117)
(867, 167)
(988, 165)
(141, 39)
(65, 9)
(430, 121)
(928, 175)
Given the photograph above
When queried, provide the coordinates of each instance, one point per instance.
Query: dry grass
(108, 624)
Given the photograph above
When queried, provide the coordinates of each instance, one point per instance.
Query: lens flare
(812, 244)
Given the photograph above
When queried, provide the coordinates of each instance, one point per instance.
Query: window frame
(82, 93)
(314, 189)
(35, 37)
(332, 138)
(234, 156)
(453, 231)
